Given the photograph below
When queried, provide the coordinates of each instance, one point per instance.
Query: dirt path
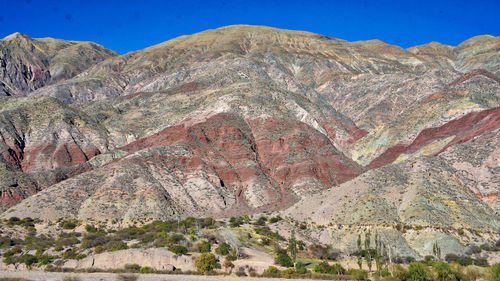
(58, 276)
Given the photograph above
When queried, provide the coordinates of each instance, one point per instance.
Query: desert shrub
(178, 249)
(324, 253)
(206, 263)
(68, 224)
(113, 246)
(46, 259)
(28, 259)
(132, 267)
(275, 219)
(417, 272)
(261, 221)
(93, 240)
(465, 261)
(272, 271)
(324, 267)
(495, 272)
(69, 254)
(357, 273)
(287, 273)
(223, 249)
(445, 272)
(80, 257)
(90, 228)
(175, 238)
(235, 222)
(204, 247)
(282, 258)
(146, 269)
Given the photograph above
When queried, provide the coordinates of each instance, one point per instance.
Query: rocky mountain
(244, 119)
(27, 64)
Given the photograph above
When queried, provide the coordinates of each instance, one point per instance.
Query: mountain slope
(27, 64)
(245, 119)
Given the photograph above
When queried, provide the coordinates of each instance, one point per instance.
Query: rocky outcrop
(42, 142)
(155, 258)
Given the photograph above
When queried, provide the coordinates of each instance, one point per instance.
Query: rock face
(27, 64)
(155, 258)
(244, 119)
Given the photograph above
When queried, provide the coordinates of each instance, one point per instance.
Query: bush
(178, 249)
(204, 247)
(445, 272)
(495, 271)
(283, 259)
(90, 228)
(68, 224)
(45, 259)
(275, 219)
(417, 272)
(28, 259)
(235, 222)
(116, 246)
(132, 267)
(206, 263)
(93, 240)
(357, 273)
(272, 271)
(324, 267)
(146, 269)
(224, 249)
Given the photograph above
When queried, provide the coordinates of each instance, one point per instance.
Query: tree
(178, 250)
(368, 256)
(283, 259)
(436, 250)
(292, 246)
(360, 253)
(206, 263)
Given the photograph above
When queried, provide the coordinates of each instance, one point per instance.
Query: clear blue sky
(126, 26)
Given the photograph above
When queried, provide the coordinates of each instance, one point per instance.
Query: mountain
(246, 119)
(27, 64)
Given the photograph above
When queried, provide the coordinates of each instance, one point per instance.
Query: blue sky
(126, 26)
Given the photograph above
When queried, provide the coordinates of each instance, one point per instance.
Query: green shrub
(68, 224)
(224, 249)
(90, 228)
(235, 222)
(46, 259)
(178, 249)
(116, 246)
(283, 259)
(146, 269)
(28, 259)
(495, 272)
(69, 254)
(206, 263)
(204, 247)
(272, 271)
(132, 267)
(417, 272)
(80, 257)
(357, 273)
